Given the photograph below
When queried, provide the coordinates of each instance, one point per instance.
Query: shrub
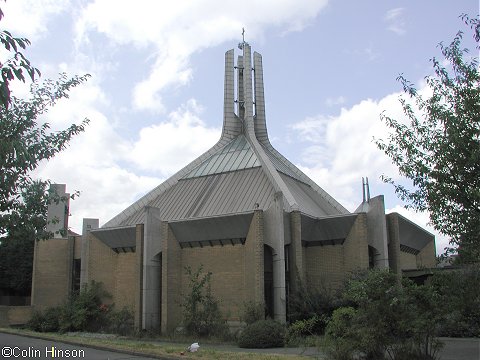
(45, 322)
(262, 334)
(121, 322)
(252, 312)
(201, 311)
(307, 302)
(340, 339)
(392, 318)
(301, 329)
(459, 301)
(86, 311)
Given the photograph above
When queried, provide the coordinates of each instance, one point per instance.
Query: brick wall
(117, 272)
(126, 271)
(356, 246)
(237, 273)
(102, 265)
(15, 315)
(324, 266)
(330, 264)
(52, 268)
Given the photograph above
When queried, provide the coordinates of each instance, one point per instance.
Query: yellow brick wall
(117, 272)
(227, 267)
(356, 246)
(126, 275)
(237, 273)
(329, 265)
(52, 270)
(102, 265)
(324, 266)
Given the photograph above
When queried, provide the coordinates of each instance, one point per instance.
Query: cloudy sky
(155, 97)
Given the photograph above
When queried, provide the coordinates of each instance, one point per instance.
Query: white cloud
(95, 161)
(170, 145)
(29, 18)
(172, 33)
(339, 100)
(341, 152)
(395, 20)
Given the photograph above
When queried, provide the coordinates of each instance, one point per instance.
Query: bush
(262, 334)
(121, 322)
(340, 339)
(308, 302)
(201, 311)
(391, 318)
(45, 322)
(252, 312)
(459, 301)
(84, 311)
(297, 331)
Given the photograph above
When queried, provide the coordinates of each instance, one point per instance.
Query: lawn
(151, 347)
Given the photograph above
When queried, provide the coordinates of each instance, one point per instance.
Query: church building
(242, 211)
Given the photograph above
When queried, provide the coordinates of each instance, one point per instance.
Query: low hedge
(262, 334)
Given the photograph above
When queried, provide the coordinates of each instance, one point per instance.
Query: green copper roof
(236, 155)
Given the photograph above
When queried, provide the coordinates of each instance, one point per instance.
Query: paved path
(21, 347)
(460, 349)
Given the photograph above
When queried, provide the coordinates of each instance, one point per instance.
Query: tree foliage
(439, 148)
(201, 310)
(15, 65)
(389, 319)
(24, 226)
(25, 141)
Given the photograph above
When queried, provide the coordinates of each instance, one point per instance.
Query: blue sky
(155, 98)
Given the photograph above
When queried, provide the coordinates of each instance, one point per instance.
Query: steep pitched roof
(240, 173)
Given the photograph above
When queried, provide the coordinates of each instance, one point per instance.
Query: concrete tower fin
(260, 119)
(231, 125)
(247, 89)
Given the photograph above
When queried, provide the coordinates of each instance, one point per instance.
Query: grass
(150, 348)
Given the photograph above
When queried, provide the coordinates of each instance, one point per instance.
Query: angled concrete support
(88, 225)
(151, 291)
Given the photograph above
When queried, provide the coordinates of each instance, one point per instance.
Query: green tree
(390, 318)
(201, 311)
(439, 147)
(23, 227)
(26, 140)
(15, 65)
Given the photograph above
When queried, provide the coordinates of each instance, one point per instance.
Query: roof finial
(243, 43)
